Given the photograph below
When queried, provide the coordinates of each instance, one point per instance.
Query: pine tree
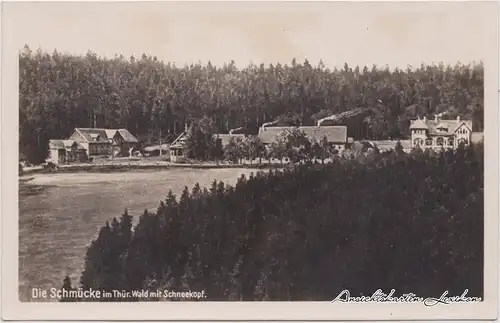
(67, 287)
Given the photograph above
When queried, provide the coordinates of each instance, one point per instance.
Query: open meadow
(59, 215)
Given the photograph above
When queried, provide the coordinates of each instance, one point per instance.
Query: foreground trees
(413, 222)
(153, 99)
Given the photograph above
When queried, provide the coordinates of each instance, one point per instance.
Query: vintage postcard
(250, 160)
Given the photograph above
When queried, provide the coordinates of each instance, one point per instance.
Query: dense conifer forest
(59, 92)
(412, 222)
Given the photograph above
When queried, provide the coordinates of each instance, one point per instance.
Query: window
(418, 142)
(440, 141)
(428, 141)
(450, 142)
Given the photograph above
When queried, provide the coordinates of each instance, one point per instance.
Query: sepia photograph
(339, 153)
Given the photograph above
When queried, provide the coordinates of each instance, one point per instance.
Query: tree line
(154, 99)
(412, 222)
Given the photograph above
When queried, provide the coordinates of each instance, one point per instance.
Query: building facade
(335, 135)
(178, 148)
(85, 143)
(439, 133)
(105, 142)
(66, 151)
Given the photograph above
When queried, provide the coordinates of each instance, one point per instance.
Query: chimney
(425, 119)
(436, 118)
(185, 126)
(458, 118)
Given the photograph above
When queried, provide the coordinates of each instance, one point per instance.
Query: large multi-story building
(336, 136)
(439, 133)
(85, 143)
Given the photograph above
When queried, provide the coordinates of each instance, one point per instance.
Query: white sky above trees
(397, 34)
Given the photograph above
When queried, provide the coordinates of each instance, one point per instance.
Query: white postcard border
(14, 309)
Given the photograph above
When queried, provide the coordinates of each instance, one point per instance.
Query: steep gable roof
(101, 135)
(466, 123)
(336, 134)
(433, 125)
(418, 124)
(127, 136)
(110, 132)
(94, 135)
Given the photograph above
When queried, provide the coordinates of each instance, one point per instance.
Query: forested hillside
(409, 222)
(59, 92)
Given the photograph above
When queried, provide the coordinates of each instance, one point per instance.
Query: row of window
(96, 148)
(440, 141)
(422, 132)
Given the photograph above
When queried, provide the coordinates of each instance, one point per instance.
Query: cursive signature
(445, 299)
(380, 297)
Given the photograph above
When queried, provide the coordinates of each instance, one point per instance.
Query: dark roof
(127, 136)
(225, 138)
(391, 144)
(96, 135)
(343, 116)
(105, 135)
(56, 144)
(64, 144)
(337, 134)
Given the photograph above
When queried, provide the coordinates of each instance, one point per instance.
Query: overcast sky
(397, 34)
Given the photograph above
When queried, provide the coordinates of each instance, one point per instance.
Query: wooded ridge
(59, 92)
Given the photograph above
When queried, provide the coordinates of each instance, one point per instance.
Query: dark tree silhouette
(409, 221)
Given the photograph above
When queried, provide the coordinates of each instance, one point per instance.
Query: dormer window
(442, 128)
(95, 136)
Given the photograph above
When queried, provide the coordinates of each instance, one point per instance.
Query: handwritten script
(380, 297)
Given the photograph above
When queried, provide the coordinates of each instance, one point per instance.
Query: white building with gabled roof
(440, 133)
